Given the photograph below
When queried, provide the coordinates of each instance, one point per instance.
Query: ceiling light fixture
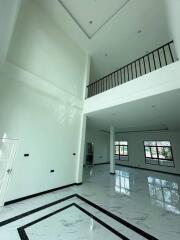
(139, 31)
(91, 22)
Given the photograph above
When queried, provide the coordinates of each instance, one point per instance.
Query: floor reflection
(122, 184)
(164, 194)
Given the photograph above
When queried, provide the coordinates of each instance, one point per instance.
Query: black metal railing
(154, 60)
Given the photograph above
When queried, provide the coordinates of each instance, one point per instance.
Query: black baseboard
(141, 168)
(146, 169)
(78, 184)
(40, 193)
(96, 164)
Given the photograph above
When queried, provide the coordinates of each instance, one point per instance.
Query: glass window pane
(124, 158)
(168, 153)
(117, 150)
(125, 150)
(165, 153)
(161, 152)
(117, 143)
(152, 161)
(121, 150)
(163, 143)
(154, 152)
(147, 152)
(168, 163)
(125, 143)
(150, 143)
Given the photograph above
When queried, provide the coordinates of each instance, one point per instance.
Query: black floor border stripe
(21, 230)
(25, 214)
(118, 219)
(102, 223)
(23, 235)
(47, 216)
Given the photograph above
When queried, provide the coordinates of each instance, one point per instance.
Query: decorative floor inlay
(73, 217)
(70, 224)
(130, 201)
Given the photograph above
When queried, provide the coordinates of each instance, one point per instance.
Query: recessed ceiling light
(139, 31)
(106, 54)
(91, 22)
(153, 106)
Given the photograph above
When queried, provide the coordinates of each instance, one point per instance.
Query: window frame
(119, 155)
(158, 158)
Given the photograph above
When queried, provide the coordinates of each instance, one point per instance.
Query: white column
(112, 159)
(81, 153)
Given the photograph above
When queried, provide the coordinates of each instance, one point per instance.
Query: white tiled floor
(148, 200)
(69, 224)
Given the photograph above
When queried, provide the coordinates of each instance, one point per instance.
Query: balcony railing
(154, 60)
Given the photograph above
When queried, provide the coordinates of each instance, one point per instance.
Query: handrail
(151, 61)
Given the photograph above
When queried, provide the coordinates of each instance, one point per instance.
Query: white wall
(41, 101)
(173, 9)
(159, 81)
(101, 145)
(8, 14)
(136, 148)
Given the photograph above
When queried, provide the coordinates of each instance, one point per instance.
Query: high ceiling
(92, 16)
(113, 32)
(152, 113)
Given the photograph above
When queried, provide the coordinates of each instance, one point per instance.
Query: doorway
(90, 153)
(8, 149)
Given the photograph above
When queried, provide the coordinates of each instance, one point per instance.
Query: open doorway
(89, 153)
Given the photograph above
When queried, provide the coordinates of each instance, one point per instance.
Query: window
(121, 150)
(159, 153)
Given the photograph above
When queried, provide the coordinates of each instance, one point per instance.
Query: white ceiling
(85, 13)
(152, 113)
(114, 28)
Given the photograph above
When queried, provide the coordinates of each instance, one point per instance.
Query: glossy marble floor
(148, 200)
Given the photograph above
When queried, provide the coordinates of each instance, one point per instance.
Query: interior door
(90, 153)
(8, 149)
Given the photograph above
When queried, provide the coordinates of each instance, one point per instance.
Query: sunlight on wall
(4, 137)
